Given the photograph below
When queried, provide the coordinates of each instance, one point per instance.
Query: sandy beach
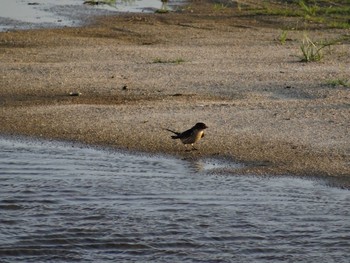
(137, 74)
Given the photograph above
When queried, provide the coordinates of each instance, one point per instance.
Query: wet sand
(140, 73)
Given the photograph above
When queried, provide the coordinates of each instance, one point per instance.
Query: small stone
(74, 93)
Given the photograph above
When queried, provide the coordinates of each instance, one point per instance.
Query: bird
(190, 136)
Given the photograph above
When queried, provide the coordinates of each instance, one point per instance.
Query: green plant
(283, 37)
(219, 7)
(339, 82)
(310, 10)
(332, 13)
(310, 51)
(313, 51)
(162, 11)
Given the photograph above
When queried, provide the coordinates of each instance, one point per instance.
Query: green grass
(162, 11)
(219, 7)
(312, 51)
(283, 37)
(339, 82)
(332, 13)
(308, 9)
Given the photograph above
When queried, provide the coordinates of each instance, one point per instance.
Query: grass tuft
(219, 7)
(283, 37)
(309, 10)
(313, 51)
(310, 51)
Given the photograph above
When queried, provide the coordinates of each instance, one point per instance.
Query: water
(138, 6)
(64, 203)
(32, 14)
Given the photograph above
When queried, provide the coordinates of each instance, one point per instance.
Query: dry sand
(140, 73)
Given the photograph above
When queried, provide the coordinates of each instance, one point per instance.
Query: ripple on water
(62, 203)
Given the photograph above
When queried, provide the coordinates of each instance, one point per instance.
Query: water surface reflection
(60, 203)
(28, 14)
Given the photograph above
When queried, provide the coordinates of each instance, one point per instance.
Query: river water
(60, 202)
(33, 14)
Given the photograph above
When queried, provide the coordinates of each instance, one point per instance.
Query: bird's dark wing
(185, 134)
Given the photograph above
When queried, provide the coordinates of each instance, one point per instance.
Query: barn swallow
(192, 135)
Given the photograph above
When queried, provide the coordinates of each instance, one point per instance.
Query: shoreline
(226, 166)
(140, 73)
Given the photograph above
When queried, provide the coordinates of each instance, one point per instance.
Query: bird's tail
(174, 136)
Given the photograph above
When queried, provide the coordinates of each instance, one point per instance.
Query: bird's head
(200, 126)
